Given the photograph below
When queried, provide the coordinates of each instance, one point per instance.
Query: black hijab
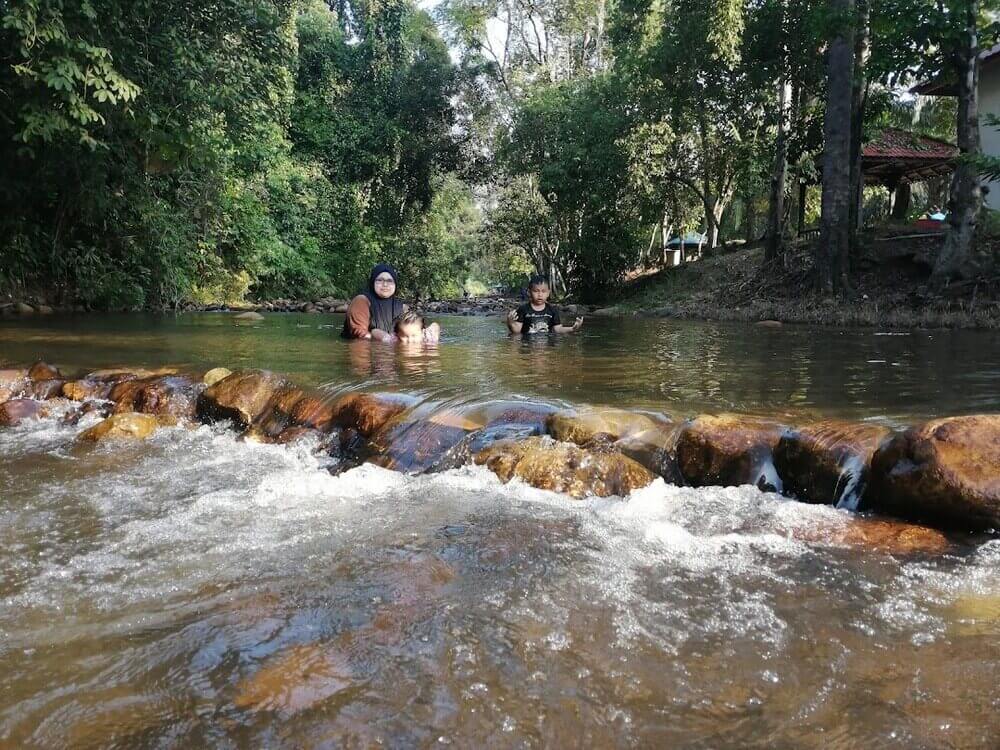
(384, 311)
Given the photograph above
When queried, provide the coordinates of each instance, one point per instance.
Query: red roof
(893, 143)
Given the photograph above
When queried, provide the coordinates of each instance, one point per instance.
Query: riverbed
(195, 590)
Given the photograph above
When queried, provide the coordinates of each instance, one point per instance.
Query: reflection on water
(674, 366)
(193, 590)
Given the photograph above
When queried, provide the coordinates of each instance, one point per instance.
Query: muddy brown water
(193, 590)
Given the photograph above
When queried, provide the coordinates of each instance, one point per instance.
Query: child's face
(410, 333)
(539, 294)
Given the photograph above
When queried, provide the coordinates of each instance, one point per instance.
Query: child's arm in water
(513, 324)
(577, 325)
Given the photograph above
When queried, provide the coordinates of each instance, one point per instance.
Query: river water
(193, 590)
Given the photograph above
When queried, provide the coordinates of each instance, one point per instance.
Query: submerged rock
(314, 410)
(12, 382)
(296, 679)
(276, 415)
(242, 397)
(367, 412)
(74, 415)
(415, 446)
(728, 450)
(44, 371)
(584, 426)
(216, 374)
(248, 317)
(174, 395)
(17, 410)
(132, 426)
(828, 462)
(947, 471)
(879, 534)
(463, 452)
(43, 389)
(563, 467)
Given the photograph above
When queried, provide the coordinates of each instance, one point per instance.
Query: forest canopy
(156, 154)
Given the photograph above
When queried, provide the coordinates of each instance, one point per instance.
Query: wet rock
(462, 453)
(18, 410)
(769, 323)
(946, 471)
(102, 408)
(216, 374)
(315, 411)
(44, 310)
(122, 426)
(23, 308)
(241, 397)
(879, 534)
(296, 679)
(248, 317)
(368, 412)
(582, 427)
(277, 413)
(173, 395)
(828, 462)
(44, 371)
(12, 382)
(728, 450)
(414, 446)
(563, 467)
(43, 389)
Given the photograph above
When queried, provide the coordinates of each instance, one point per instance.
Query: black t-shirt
(537, 321)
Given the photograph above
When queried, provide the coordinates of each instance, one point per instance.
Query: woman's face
(385, 285)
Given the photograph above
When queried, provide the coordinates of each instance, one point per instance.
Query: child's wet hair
(407, 318)
(537, 280)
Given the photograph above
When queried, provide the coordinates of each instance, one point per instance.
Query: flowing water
(193, 590)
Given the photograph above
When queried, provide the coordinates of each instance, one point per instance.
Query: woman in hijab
(373, 314)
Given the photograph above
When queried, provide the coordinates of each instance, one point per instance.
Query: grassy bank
(890, 288)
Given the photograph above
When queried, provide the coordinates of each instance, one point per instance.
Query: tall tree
(832, 249)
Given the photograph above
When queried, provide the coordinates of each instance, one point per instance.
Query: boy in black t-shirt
(537, 315)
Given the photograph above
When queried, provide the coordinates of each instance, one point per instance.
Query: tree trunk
(900, 201)
(862, 51)
(749, 221)
(831, 253)
(801, 219)
(957, 259)
(775, 244)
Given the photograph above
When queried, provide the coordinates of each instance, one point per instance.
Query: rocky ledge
(945, 473)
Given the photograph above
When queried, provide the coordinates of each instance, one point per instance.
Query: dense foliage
(158, 153)
(161, 152)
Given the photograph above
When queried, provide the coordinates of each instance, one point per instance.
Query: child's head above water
(538, 291)
(409, 327)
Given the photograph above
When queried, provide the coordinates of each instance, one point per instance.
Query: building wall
(989, 103)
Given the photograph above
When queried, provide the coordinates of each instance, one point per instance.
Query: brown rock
(242, 397)
(314, 410)
(828, 462)
(879, 534)
(73, 416)
(12, 382)
(17, 410)
(296, 679)
(563, 467)
(277, 413)
(727, 450)
(44, 389)
(131, 426)
(216, 374)
(44, 371)
(414, 446)
(946, 471)
(23, 309)
(248, 317)
(368, 412)
(582, 427)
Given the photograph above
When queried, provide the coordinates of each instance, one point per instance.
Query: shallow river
(193, 590)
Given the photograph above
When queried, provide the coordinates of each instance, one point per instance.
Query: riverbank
(889, 290)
